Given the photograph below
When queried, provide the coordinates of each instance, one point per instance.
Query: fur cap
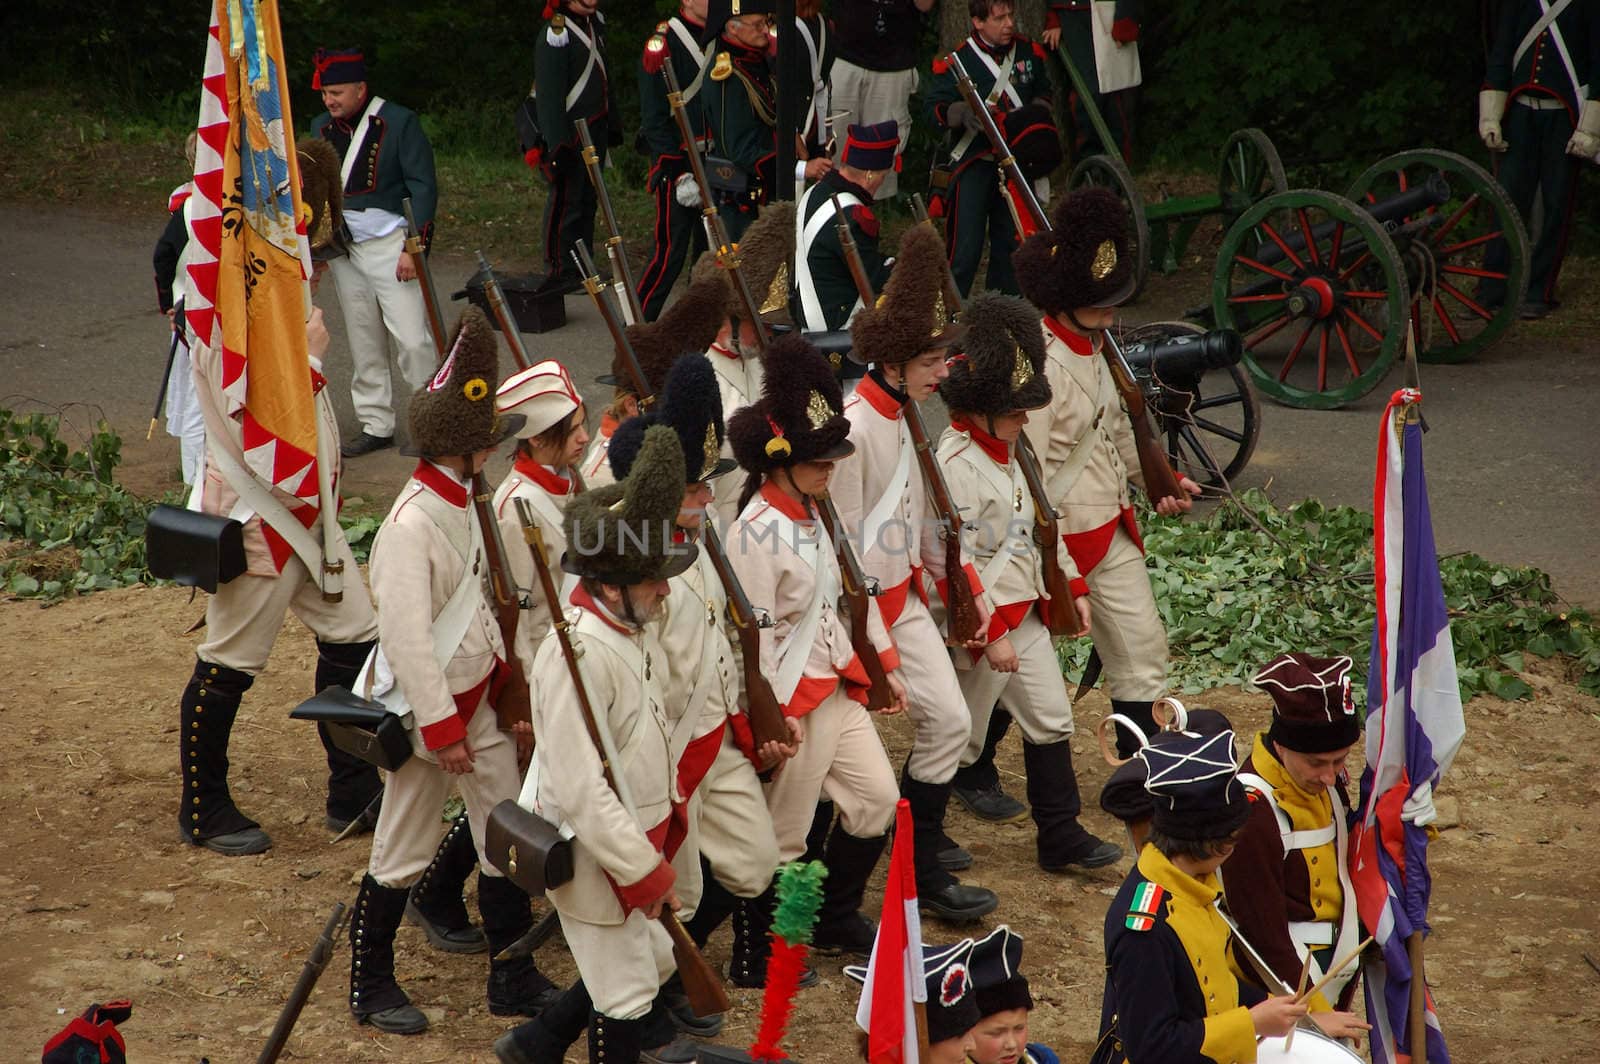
(688, 325)
(764, 255)
(691, 405)
(1001, 365)
(622, 533)
(454, 414)
(910, 316)
(800, 416)
(1084, 260)
(322, 191)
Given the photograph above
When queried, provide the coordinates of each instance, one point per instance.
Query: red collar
(725, 352)
(584, 601)
(608, 424)
(1078, 345)
(879, 399)
(441, 483)
(542, 476)
(784, 503)
(997, 449)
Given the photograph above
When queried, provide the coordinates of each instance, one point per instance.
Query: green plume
(799, 898)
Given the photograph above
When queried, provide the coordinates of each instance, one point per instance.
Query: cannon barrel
(1181, 361)
(1389, 213)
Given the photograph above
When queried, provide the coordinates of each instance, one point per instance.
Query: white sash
(1551, 13)
(357, 137)
(706, 674)
(807, 231)
(593, 61)
(1002, 85)
(1064, 476)
(679, 30)
(819, 87)
(815, 549)
(888, 504)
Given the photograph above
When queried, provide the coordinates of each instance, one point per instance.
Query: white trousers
(842, 757)
(376, 306)
(933, 697)
(622, 965)
(1124, 624)
(870, 96)
(735, 829)
(1035, 695)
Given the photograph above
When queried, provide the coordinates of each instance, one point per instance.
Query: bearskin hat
(688, 325)
(1084, 260)
(691, 406)
(910, 316)
(622, 533)
(764, 253)
(322, 191)
(454, 412)
(800, 416)
(1001, 365)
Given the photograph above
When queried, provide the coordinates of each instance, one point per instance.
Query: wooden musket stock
(613, 320)
(856, 590)
(766, 715)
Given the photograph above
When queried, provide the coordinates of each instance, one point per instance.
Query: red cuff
(1124, 31)
(889, 659)
(744, 738)
(649, 890)
(1079, 586)
(1052, 19)
(440, 734)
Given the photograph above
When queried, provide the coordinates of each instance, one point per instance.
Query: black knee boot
(751, 946)
(516, 986)
(817, 835)
(717, 903)
(1053, 793)
(1142, 714)
(546, 1038)
(977, 786)
(207, 816)
(840, 926)
(435, 903)
(938, 891)
(614, 1041)
(352, 783)
(375, 997)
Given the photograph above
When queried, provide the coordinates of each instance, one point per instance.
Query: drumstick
(1300, 988)
(1338, 966)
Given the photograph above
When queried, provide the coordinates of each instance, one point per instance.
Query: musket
(621, 273)
(501, 311)
(430, 295)
(1159, 479)
(619, 332)
(767, 723)
(1020, 198)
(857, 589)
(963, 606)
(726, 250)
(166, 374)
(707, 996)
(1061, 616)
(316, 961)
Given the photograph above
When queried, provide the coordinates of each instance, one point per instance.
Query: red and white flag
(895, 983)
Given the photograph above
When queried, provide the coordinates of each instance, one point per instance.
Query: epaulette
(941, 65)
(556, 33)
(722, 69)
(1146, 906)
(655, 54)
(862, 215)
(663, 26)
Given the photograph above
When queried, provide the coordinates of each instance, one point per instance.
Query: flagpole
(1417, 1018)
(923, 1049)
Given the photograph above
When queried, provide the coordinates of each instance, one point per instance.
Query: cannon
(1200, 395)
(1323, 288)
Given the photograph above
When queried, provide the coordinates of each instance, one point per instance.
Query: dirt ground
(98, 900)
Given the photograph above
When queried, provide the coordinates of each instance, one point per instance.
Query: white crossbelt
(679, 30)
(1002, 86)
(593, 61)
(888, 505)
(807, 231)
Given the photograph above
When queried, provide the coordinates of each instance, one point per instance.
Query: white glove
(1491, 105)
(1419, 809)
(686, 192)
(1586, 139)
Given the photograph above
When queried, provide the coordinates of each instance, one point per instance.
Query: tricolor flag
(247, 294)
(895, 983)
(1414, 728)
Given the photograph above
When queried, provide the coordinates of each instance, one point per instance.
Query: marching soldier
(634, 846)
(687, 326)
(428, 578)
(994, 382)
(387, 158)
(1540, 105)
(717, 755)
(825, 292)
(549, 443)
(1071, 27)
(789, 444)
(677, 229)
(244, 615)
(571, 85)
(887, 509)
(741, 106)
(1078, 273)
(1287, 882)
(1009, 72)
(1175, 991)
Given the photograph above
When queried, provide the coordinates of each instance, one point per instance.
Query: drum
(1309, 1047)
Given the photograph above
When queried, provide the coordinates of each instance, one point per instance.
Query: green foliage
(69, 529)
(1235, 592)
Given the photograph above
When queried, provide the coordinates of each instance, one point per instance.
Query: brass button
(1313, 859)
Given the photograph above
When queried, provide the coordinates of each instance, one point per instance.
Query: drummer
(1174, 991)
(1287, 883)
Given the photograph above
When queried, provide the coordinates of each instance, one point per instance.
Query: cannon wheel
(1455, 319)
(1299, 273)
(1250, 171)
(1105, 171)
(1209, 434)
